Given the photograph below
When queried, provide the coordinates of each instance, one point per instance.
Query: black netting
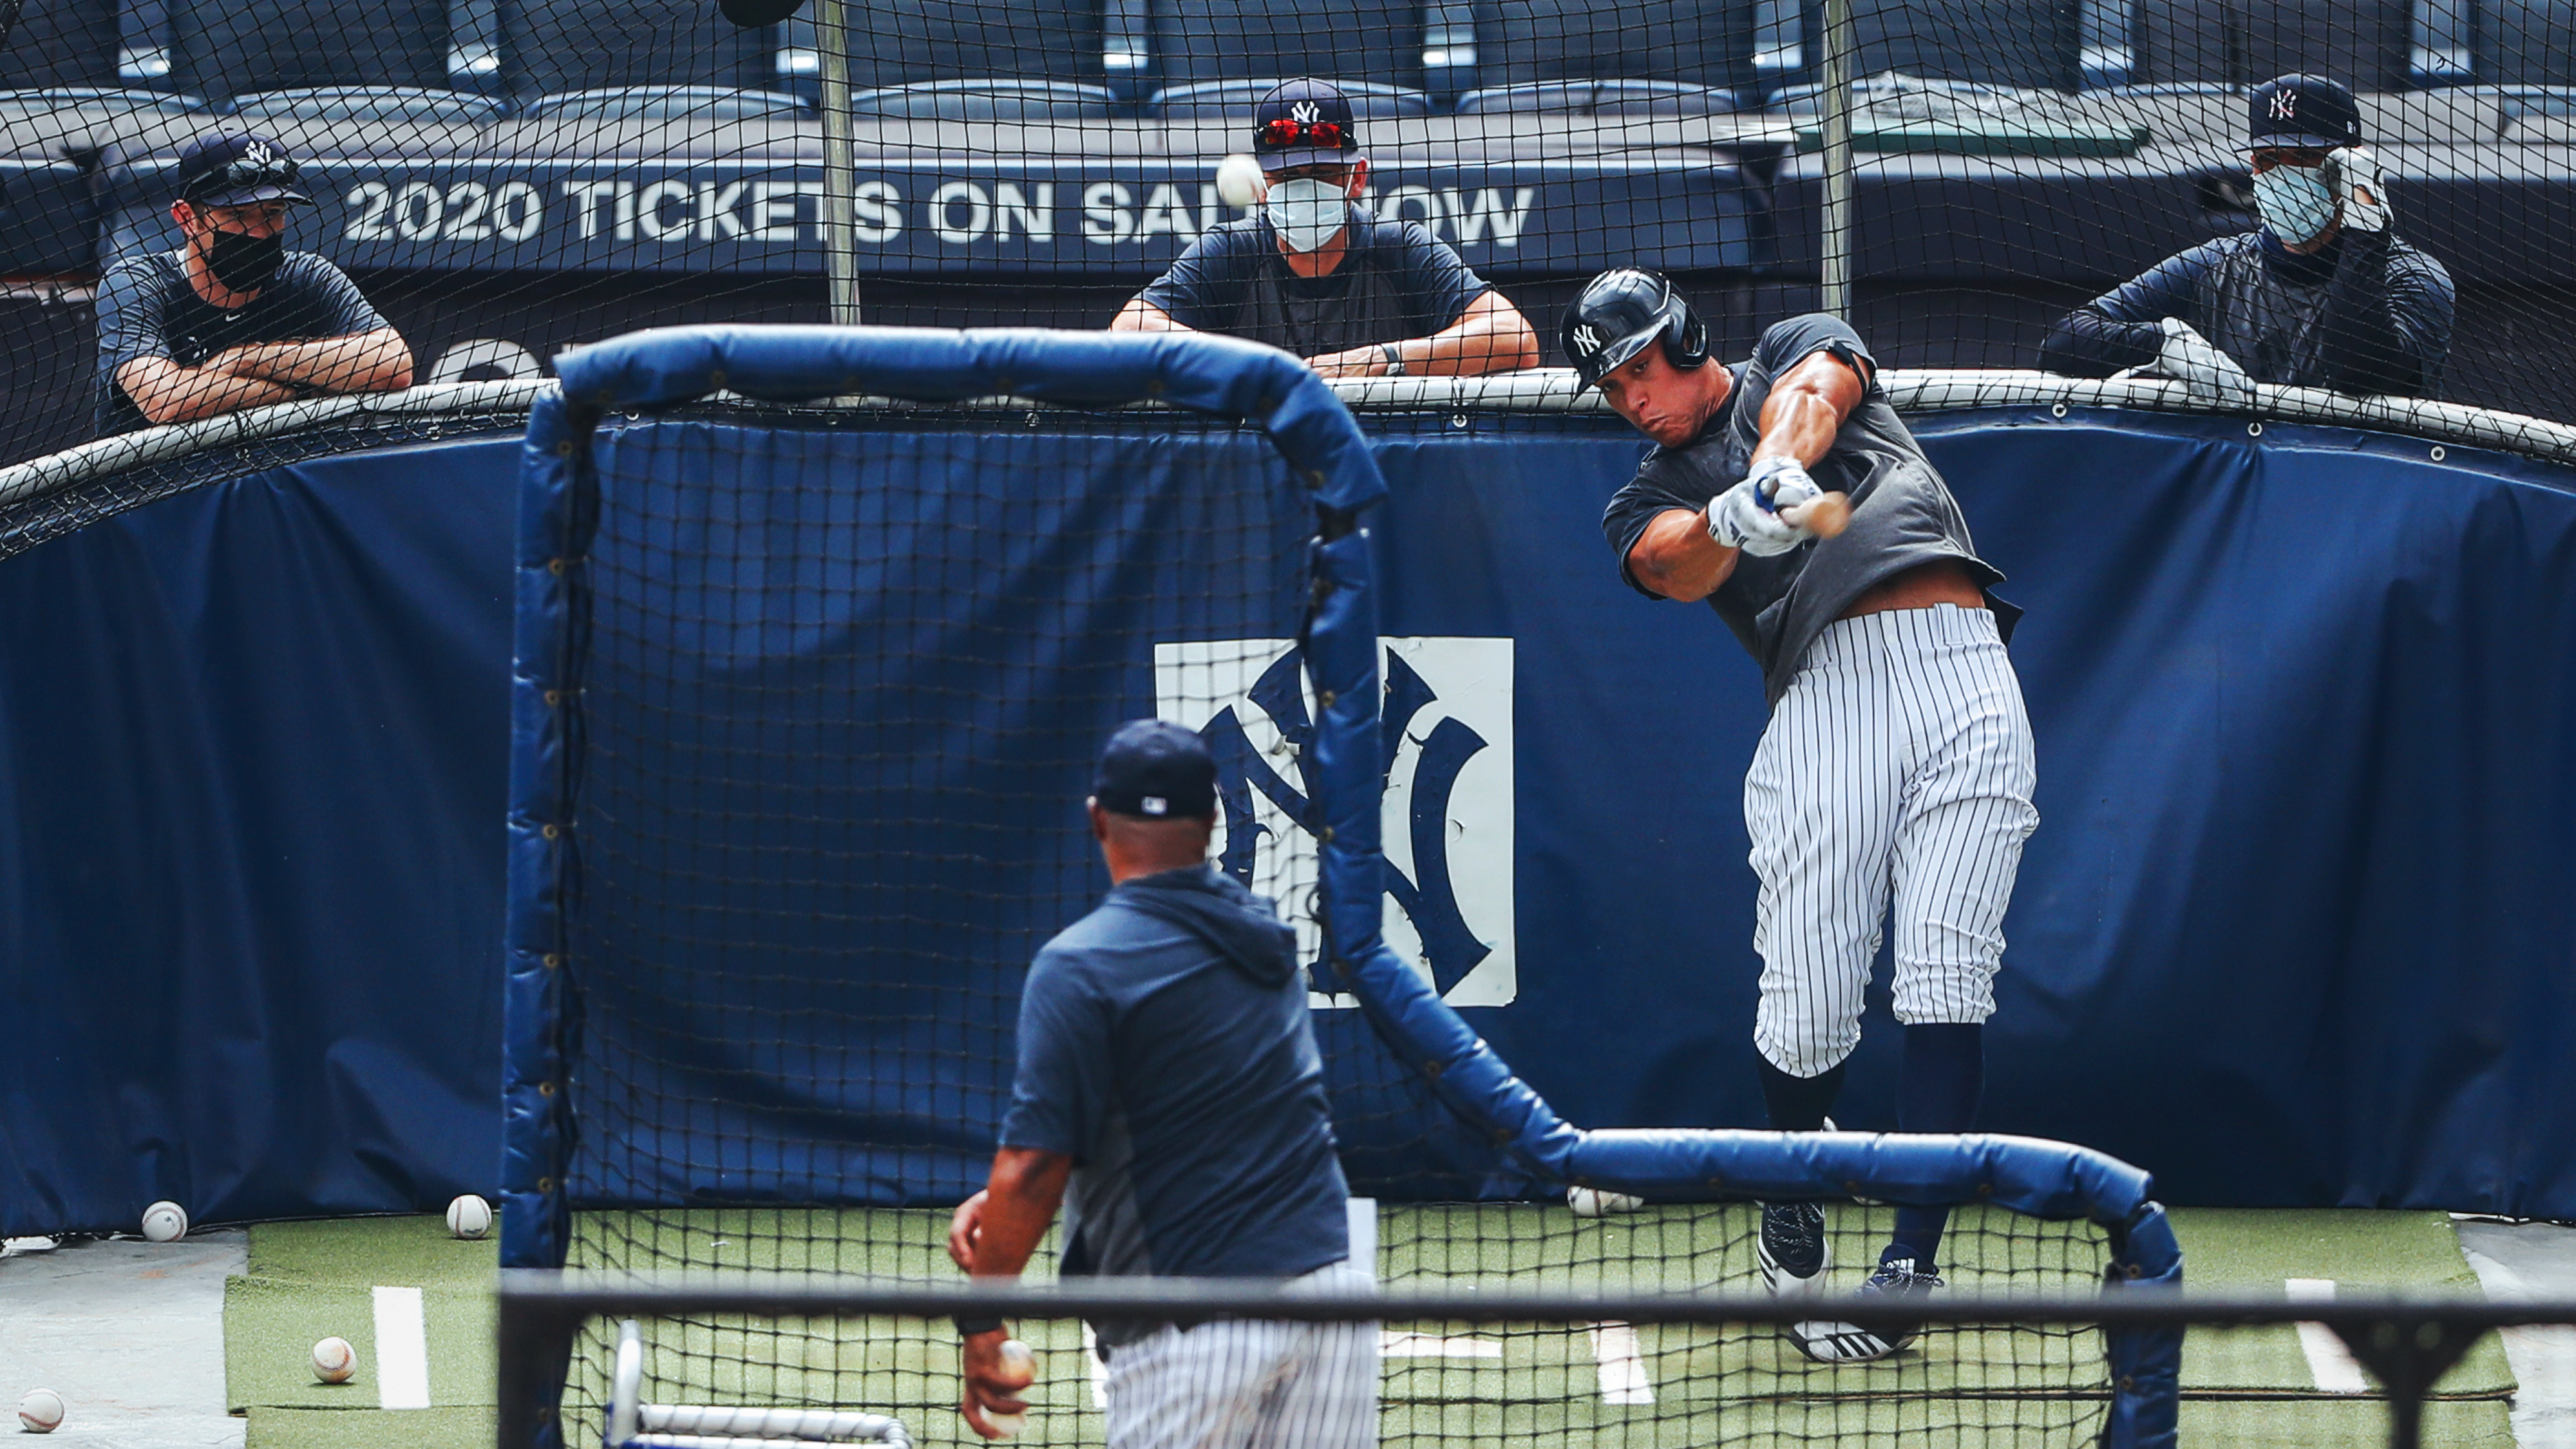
(504, 178)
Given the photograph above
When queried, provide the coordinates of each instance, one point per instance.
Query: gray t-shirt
(1902, 513)
(1395, 283)
(147, 309)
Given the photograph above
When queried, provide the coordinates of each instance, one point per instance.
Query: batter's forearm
(1678, 559)
(1019, 1204)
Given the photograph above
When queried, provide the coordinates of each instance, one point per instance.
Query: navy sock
(1943, 1080)
(1798, 1104)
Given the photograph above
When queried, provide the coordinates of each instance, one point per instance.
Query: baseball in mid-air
(40, 1411)
(165, 1222)
(1239, 181)
(1592, 1202)
(1020, 1366)
(334, 1362)
(469, 1216)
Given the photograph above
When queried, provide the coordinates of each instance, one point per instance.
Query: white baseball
(1592, 1202)
(41, 1411)
(165, 1222)
(334, 1362)
(1020, 1364)
(1239, 181)
(469, 1216)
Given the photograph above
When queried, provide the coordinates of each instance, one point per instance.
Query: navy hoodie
(1166, 1046)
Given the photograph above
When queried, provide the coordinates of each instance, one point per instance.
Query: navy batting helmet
(1622, 310)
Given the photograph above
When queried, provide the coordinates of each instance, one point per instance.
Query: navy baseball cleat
(1792, 1249)
(1827, 1342)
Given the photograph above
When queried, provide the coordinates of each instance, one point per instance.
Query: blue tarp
(2295, 928)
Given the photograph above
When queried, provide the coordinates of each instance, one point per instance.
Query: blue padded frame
(1326, 450)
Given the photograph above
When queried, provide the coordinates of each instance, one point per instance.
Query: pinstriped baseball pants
(1897, 769)
(1248, 1384)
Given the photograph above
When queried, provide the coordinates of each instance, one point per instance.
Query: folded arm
(377, 361)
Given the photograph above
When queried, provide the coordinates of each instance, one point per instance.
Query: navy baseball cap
(236, 170)
(2304, 110)
(1304, 123)
(1158, 770)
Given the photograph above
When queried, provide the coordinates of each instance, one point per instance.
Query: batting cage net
(807, 702)
(499, 179)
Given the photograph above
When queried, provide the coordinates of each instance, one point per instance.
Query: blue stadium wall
(2297, 927)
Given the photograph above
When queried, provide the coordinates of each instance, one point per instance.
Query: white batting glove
(2353, 175)
(2198, 364)
(1747, 516)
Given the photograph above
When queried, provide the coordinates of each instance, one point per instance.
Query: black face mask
(245, 263)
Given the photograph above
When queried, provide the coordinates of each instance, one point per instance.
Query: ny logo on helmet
(2285, 105)
(1446, 733)
(1588, 338)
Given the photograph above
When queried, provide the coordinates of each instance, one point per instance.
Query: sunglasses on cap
(1280, 134)
(243, 171)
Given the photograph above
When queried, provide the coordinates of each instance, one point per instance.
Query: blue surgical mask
(1306, 212)
(2295, 203)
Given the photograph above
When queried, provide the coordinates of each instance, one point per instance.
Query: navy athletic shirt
(147, 309)
(1166, 1046)
(1902, 513)
(2365, 313)
(1397, 282)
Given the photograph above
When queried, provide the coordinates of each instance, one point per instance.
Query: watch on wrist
(1394, 359)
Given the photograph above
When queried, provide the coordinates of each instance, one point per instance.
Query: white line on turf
(2333, 1366)
(1623, 1371)
(402, 1349)
(1393, 1343)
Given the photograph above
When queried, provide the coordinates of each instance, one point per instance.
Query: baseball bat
(1824, 515)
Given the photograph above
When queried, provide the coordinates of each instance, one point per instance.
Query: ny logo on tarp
(1446, 733)
(2285, 105)
(1587, 338)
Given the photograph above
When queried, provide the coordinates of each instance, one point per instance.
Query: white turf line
(1623, 1369)
(402, 1349)
(2333, 1366)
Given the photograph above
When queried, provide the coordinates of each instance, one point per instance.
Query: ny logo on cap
(2285, 105)
(258, 151)
(1305, 113)
(1587, 337)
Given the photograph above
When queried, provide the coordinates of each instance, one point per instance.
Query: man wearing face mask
(233, 319)
(1314, 272)
(2323, 294)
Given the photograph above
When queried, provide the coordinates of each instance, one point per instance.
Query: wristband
(969, 1327)
(1394, 359)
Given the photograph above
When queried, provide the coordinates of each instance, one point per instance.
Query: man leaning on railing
(233, 319)
(2322, 294)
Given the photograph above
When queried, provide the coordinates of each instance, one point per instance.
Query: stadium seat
(1233, 101)
(368, 103)
(2023, 44)
(2366, 44)
(553, 47)
(1199, 41)
(1703, 43)
(664, 103)
(906, 42)
(1599, 98)
(2528, 43)
(61, 43)
(223, 48)
(986, 100)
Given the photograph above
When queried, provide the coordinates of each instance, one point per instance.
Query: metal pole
(840, 262)
(1836, 241)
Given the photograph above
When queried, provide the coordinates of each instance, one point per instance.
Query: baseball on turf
(165, 1222)
(1021, 1367)
(1592, 1202)
(41, 1411)
(469, 1217)
(334, 1362)
(1239, 181)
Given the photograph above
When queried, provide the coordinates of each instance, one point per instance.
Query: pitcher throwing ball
(1897, 767)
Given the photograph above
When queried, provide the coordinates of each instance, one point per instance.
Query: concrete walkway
(2517, 1260)
(131, 1334)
